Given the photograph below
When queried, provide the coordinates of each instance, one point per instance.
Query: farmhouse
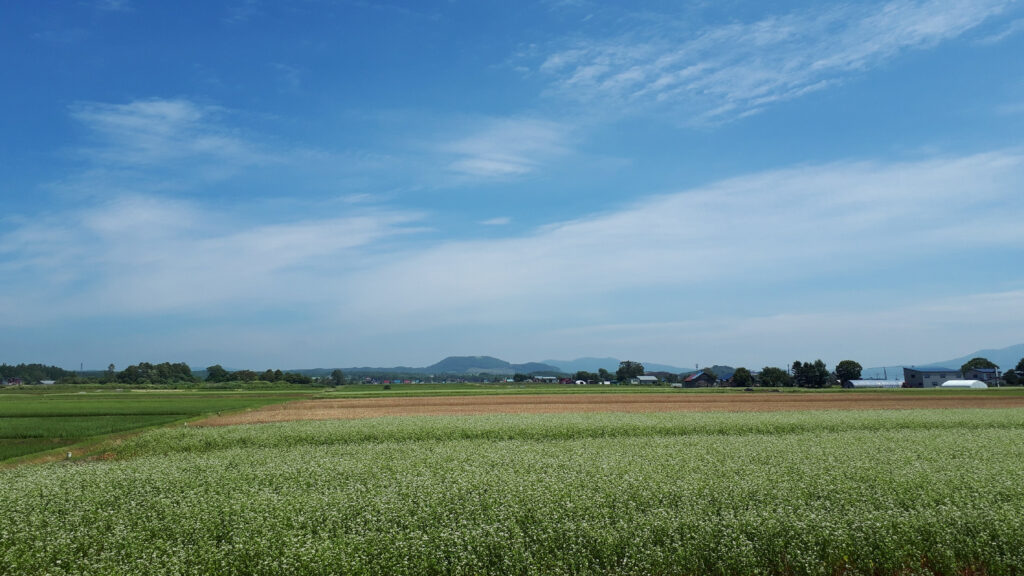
(647, 379)
(928, 377)
(699, 379)
(984, 374)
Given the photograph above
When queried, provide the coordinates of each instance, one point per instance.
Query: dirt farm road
(350, 408)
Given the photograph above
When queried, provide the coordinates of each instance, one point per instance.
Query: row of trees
(147, 373)
(218, 374)
(33, 372)
(1012, 377)
(601, 375)
(165, 373)
(804, 374)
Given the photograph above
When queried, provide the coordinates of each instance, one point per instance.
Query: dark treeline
(163, 374)
(33, 372)
(146, 373)
(799, 374)
(218, 374)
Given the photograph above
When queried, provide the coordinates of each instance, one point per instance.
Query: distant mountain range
(610, 364)
(464, 365)
(1005, 358)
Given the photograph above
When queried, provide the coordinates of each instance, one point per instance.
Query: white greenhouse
(963, 384)
(875, 384)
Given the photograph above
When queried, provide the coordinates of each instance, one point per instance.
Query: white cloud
(569, 285)
(727, 71)
(1013, 109)
(148, 133)
(175, 146)
(115, 5)
(792, 225)
(139, 255)
(917, 333)
(1009, 30)
(499, 221)
(502, 148)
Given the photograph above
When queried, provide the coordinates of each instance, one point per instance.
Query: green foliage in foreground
(915, 492)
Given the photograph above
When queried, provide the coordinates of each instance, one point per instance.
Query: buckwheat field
(853, 492)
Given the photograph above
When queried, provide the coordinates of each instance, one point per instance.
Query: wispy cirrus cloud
(807, 221)
(141, 255)
(723, 72)
(146, 133)
(927, 330)
(499, 221)
(150, 143)
(163, 145)
(506, 147)
(115, 5)
(1015, 27)
(617, 281)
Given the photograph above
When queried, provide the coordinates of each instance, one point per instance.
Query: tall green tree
(797, 370)
(337, 378)
(1020, 367)
(629, 369)
(217, 373)
(821, 377)
(811, 374)
(774, 377)
(293, 377)
(978, 362)
(1011, 378)
(245, 376)
(742, 378)
(848, 370)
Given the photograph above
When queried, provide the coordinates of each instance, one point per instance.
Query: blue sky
(337, 183)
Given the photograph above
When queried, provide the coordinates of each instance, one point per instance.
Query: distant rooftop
(932, 369)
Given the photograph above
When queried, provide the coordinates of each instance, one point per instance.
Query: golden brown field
(350, 408)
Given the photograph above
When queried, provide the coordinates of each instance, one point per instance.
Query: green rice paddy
(38, 422)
